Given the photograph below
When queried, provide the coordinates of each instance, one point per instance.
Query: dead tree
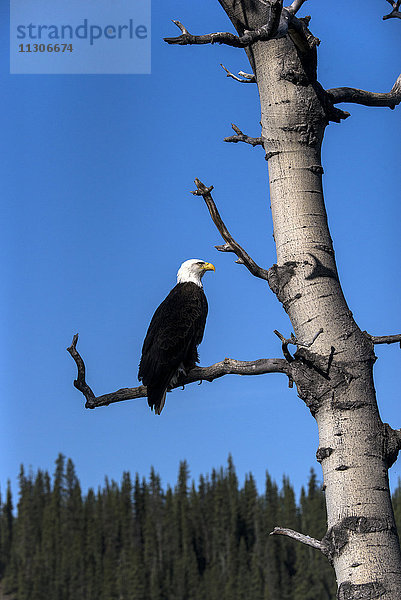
(332, 366)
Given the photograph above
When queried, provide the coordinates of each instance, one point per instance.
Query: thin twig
(241, 137)
(395, 13)
(353, 95)
(299, 537)
(228, 366)
(284, 345)
(243, 257)
(246, 77)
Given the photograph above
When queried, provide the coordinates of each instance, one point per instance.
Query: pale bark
(334, 378)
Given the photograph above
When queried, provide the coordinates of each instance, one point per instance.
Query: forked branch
(243, 77)
(241, 137)
(353, 95)
(295, 342)
(231, 245)
(228, 366)
(395, 13)
(264, 33)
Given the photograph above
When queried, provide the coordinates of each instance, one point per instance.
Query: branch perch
(353, 95)
(241, 137)
(231, 245)
(228, 366)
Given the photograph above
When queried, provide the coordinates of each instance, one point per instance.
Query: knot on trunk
(316, 377)
(337, 536)
(279, 276)
(323, 453)
(391, 444)
(362, 591)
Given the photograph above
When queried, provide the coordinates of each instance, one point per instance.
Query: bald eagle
(175, 331)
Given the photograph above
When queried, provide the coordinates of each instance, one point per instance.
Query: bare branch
(225, 234)
(228, 366)
(80, 382)
(353, 95)
(295, 6)
(187, 38)
(384, 339)
(247, 77)
(395, 13)
(241, 137)
(299, 537)
(266, 32)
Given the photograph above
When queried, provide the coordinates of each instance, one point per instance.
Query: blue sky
(97, 217)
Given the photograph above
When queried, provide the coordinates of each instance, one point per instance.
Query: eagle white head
(193, 270)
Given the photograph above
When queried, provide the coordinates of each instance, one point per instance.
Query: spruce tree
(20, 574)
(111, 539)
(126, 557)
(288, 516)
(272, 554)
(153, 536)
(6, 530)
(185, 564)
(140, 584)
(73, 536)
(396, 499)
(92, 547)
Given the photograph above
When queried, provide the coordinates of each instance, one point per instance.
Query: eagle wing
(173, 335)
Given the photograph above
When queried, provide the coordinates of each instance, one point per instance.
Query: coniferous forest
(138, 541)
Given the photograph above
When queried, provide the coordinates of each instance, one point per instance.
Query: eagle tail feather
(157, 398)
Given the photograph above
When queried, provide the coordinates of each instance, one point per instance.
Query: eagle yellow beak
(208, 267)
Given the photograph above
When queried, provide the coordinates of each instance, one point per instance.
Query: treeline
(136, 541)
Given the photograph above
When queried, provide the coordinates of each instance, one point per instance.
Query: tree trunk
(335, 376)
